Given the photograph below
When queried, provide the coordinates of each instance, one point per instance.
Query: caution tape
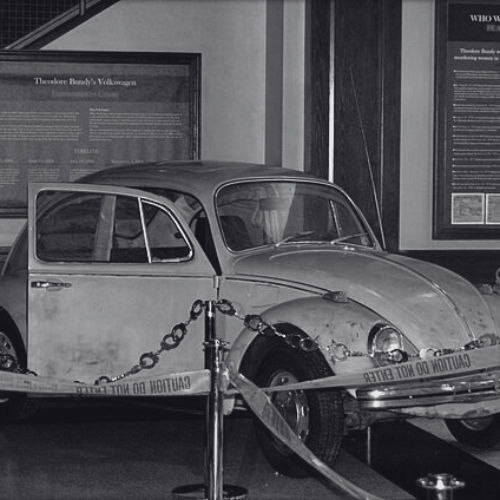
(465, 362)
(265, 410)
(175, 384)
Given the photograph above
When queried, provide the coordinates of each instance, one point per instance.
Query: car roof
(199, 177)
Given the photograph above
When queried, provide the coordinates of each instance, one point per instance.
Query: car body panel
(200, 178)
(434, 308)
(88, 319)
(97, 319)
(98, 326)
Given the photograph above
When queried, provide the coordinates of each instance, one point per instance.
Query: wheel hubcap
(292, 405)
(477, 424)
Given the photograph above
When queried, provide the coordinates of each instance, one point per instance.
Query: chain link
(256, 323)
(336, 351)
(147, 360)
(170, 341)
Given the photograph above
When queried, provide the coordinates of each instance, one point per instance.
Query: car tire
(481, 433)
(14, 405)
(317, 416)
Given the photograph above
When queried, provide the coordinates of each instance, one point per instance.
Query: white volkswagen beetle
(105, 266)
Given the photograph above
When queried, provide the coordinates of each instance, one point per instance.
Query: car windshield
(253, 214)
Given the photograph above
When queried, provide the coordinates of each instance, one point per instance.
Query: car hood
(433, 307)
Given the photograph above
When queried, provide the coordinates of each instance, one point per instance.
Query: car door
(111, 271)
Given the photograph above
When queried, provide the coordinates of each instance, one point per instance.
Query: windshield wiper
(300, 236)
(344, 239)
(295, 237)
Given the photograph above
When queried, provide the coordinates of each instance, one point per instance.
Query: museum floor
(97, 451)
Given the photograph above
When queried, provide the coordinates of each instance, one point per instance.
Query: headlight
(385, 344)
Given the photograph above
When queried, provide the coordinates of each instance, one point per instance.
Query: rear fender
(8, 326)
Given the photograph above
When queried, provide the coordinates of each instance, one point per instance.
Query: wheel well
(8, 326)
(262, 345)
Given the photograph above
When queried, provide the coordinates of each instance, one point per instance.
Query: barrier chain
(441, 486)
(337, 351)
(256, 323)
(301, 341)
(170, 341)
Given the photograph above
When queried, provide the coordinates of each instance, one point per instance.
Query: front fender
(493, 301)
(325, 321)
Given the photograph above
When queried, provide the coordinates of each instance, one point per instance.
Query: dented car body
(105, 266)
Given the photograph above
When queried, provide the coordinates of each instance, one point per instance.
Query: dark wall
(354, 48)
(367, 58)
(317, 87)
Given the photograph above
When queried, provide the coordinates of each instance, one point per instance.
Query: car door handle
(51, 286)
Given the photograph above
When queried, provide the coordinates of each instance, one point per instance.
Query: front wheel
(316, 416)
(481, 432)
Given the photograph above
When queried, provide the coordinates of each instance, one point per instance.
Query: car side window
(67, 232)
(91, 227)
(128, 243)
(164, 238)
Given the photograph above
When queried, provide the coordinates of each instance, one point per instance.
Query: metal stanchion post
(440, 486)
(213, 489)
(213, 458)
(369, 445)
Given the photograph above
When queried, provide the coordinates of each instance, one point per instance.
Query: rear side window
(96, 227)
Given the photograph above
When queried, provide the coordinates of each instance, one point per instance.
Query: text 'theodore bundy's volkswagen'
(106, 265)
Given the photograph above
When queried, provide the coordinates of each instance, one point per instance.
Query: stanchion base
(197, 492)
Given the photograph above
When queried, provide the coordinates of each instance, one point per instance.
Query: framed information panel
(467, 98)
(65, 114)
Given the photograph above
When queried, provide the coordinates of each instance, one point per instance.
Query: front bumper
(459, 397)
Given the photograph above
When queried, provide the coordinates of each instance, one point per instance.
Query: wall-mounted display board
(65, 114)
(467, 101)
